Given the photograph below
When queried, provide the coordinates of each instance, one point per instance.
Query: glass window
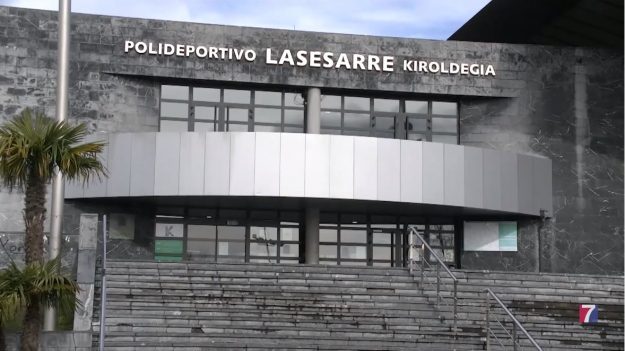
(327, 235)
(268, 129)
(356, 121)
(417, 136)
(354, 252)
(444, 125)
(174, 109)
(357, 103)
(331, 101)
(263, 249)
(205, 112)
(384, 123)
(289, 234)
(267, 115)
(353, 236)
(330, 119)
(420, 107)
(382, 238)
(293, 100)
(327, 251)
(385, 105)
(294, 117)
(237, 96)
(174, 126)
(206, 94)
(267, 98)
(444, 108)
(263, 233)
(447, 139)
(289, 250)
(237, 114)
(175, 92)
(204, 126)
(232, 127)
(417, 124)
(381, 253)
(294, 129)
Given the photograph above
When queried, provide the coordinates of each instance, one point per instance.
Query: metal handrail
(440, 263)
(103, 287)
(515, 323)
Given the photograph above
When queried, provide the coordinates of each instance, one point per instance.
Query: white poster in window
(169, 230)
(481, 236)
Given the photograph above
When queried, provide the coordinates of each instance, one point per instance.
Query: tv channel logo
(588, 314)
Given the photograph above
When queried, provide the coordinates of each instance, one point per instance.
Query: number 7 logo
(588, 314)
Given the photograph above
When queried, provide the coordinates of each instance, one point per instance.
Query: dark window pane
(385, 105)
(447, 139)
(174, 126)
(272, 129)
(357, 103)
(385, 123)
(237, 96)
(176, 92)
(444, 125)
(417, 124)
(417, 107)
(294, 117)
(356, 121)
(444, 108)
(330, 119)
(205, 112)
(267, 115)
(293, 100)
(174, 109)
(204, 126)
(237, 114)
(267, 98)
(331, 101)
(206, 94)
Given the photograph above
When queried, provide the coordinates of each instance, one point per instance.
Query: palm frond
(32, 145)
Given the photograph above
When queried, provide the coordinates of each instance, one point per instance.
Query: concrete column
(311, 253)
(313, 111)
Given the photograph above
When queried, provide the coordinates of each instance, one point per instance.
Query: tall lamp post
(62, 104)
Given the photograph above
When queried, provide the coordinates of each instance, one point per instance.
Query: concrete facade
(563, 104)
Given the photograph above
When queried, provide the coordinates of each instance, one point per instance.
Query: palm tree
(35, 285)
(32, 148)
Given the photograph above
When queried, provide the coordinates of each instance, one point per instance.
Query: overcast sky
(427, 19)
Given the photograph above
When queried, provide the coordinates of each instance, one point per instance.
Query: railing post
(455, 305)
(514, 344)
(438, 286)
(103, 287)
(487, 321)
(423, 255)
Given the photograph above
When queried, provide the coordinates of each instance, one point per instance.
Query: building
(260, 145)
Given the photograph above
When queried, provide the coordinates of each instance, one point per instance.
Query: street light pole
(62, 105)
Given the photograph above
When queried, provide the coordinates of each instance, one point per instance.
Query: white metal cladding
(320, 166)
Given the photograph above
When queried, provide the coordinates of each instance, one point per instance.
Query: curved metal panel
(323, 166)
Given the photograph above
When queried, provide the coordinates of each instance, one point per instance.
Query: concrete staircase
(546, 304)
(198, 306)
(191, 306)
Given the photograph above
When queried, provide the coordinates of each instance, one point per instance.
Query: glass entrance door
(387, 247)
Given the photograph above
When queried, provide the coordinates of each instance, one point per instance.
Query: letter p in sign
(588, 314)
